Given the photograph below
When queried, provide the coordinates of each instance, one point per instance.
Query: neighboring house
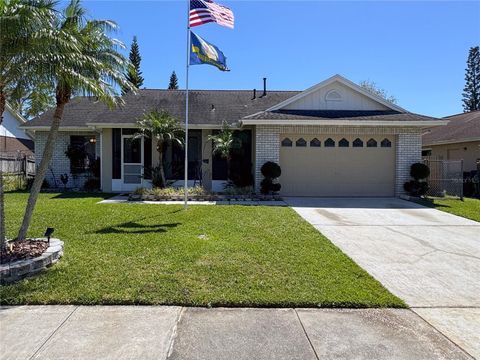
(458, 140)
(333, 139)
(13, 139)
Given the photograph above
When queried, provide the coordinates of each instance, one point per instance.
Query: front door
(132, 163)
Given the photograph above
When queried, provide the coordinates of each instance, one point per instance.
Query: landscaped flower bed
(29, 257)
(198, 194)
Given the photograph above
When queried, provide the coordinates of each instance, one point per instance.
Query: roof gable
(336, 93)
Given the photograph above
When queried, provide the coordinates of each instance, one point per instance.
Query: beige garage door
(324, 165)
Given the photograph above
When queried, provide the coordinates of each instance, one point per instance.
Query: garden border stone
(19, 269)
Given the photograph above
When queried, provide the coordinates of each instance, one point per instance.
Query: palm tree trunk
(3, 240)
(160, 158)
(42, 170)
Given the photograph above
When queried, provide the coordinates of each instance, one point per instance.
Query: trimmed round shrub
(265, 186)
(419, 171)
(416, 188)
(271, 170)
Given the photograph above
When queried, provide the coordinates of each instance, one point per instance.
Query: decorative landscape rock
(17, 270)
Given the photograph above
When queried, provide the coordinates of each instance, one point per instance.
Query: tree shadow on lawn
(82, 195)
(431, 203)
(133, 227)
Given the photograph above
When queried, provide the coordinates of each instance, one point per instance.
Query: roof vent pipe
(264, 86)
(254, 94)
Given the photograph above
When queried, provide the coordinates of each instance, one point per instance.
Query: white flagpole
(186, 107)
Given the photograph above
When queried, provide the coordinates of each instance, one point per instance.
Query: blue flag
(202, 52)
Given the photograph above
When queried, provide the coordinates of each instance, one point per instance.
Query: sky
(416, 50)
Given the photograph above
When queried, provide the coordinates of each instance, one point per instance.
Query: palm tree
(223, 143)
(25, 30)
(95, 69)
(165, 129)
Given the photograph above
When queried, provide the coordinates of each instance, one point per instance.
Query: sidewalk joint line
(442, 334)
(174, 332)
(306, 335)
(53, 333)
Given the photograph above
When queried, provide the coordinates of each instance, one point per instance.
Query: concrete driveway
(428, 258)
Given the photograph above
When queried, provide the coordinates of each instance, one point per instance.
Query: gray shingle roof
(460, 127)
(228, 105)
(337, 114)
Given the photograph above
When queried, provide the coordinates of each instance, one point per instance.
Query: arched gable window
(343, 143)
(333, 95)
(301, 142)
(329, 143)
(357, 142)
(315, 143)
(287, 142)
(386, 143)
(372, 143)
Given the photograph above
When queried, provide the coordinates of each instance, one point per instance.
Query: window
(315, 143)
(174, 158)
(426, 152)
(301, 142)
(386, 143)
(329, 143)
(357, 143)
(81, 153)
(372, 143)
(343, 143)
(287, 142)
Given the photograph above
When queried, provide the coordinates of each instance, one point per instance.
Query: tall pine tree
(173, 85)
(134, 74)
(471, 91)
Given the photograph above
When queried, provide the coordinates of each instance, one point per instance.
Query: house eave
(62, 128)
(447, 142)
(133, 125)
(368, 123)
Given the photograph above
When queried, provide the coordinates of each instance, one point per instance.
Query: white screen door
(132, 162)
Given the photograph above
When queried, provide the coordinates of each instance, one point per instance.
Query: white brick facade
(408, 145)
(60, 163)
(409, 151)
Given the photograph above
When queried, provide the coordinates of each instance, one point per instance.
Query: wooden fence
(13, 164)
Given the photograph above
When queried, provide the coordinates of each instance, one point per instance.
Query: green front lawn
(468, 208)
(207, 255)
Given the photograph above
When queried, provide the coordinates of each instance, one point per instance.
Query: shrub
(172, 191)
(156, 173)
(419, 171)
(92, 184)
(418, 187)
(236, 190)
(270, 171)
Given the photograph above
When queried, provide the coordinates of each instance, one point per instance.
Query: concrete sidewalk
(162, 332)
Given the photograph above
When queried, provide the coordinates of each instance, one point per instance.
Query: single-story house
(13, 139)
(458, 140)
(333, 139)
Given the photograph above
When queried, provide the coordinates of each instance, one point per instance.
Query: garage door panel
(337, 171)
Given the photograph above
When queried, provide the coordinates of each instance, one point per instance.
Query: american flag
(205, 11)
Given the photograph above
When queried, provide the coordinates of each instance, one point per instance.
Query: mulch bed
(20, 250)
